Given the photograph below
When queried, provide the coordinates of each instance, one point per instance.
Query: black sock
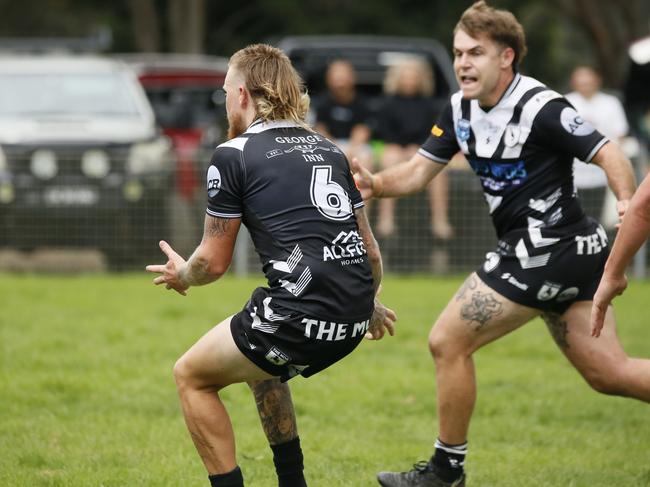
(287, 458)
(234, 478)
(448, 460)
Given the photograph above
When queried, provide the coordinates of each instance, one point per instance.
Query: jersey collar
(259, 125)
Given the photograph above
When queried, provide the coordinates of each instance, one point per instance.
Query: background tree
(561, 33)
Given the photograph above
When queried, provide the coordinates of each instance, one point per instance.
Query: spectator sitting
(342, 115)
(404, 123)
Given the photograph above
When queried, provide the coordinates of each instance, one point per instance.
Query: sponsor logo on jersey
(307, 152)
(591, 244)
(309, 139)
(508, 171)
(331, 331)
(437, 131)
(548, 290)
(214, 181)
(497, 175)
(574, 123)
(462, 129)
(492, 260)
(347, 247)
(506, 276)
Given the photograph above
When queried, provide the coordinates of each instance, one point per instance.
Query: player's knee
(605, 382)
(182, 373)
(441, 344)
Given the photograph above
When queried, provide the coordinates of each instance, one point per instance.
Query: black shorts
(549, 276)
(285, 343)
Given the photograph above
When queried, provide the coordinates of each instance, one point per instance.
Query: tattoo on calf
(273, 399)
(559, 329)
(480, 309)
(469, 284)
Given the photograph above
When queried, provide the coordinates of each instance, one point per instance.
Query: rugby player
(520, 138)
(293, 190)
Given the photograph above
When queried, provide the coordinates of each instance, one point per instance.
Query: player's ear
(244, 96)
(507, 57)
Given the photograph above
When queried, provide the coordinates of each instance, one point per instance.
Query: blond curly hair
(394, 74)
(277, 90)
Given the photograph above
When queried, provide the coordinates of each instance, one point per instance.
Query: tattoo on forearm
(274, 405)
(217, 226)
(469, 284)
(559, 329)
(480, 309)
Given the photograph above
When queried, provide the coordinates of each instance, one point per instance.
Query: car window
(40, 94)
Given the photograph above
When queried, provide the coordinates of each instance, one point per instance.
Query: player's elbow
(217, 269)
(374, 256)
(212, 268)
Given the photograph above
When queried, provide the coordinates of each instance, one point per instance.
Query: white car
(81, 160)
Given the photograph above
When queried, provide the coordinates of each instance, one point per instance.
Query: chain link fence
(120, 219)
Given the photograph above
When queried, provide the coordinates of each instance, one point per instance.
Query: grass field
(87, 396)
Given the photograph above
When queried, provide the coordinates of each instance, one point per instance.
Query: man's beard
(236, 125)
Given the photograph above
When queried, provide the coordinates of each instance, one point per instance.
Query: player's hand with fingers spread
(169, 273)
(607, 290)
(365, 181)
(383, 320)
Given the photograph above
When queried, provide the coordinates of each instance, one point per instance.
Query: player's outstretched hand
(363, 179)
(382, 321)
(607, 290)
(169, 271)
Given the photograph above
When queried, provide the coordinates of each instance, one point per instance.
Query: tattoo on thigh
(469, 284)
(480, 309)
(558, 327)
(274, 405)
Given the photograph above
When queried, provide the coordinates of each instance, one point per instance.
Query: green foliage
(87, 395)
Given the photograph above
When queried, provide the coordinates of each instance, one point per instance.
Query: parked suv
(81, 161)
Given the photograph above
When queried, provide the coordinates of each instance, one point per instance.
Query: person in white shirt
(605, 112)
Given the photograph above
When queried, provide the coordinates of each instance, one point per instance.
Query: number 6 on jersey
(328, 196)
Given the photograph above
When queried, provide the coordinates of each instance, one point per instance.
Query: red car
(186, 94)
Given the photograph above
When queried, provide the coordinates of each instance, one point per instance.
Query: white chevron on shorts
(269, 315)
(528, 262)
(259, 325)
(535, 233)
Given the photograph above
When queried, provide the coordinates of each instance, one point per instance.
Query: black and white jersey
(293, 190)
(522, 149)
